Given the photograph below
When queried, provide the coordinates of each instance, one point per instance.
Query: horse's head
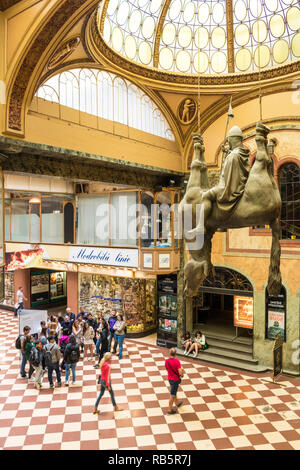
(194, 274)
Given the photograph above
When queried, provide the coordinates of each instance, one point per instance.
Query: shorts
(174, 387)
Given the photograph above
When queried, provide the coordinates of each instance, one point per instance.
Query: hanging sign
(243, 312)
(127, 258)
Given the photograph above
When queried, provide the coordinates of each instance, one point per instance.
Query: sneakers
(24, 376)
(59, 384)
(66, 384)
(37, 386)
(31, 379)
(51, 386)
(195, 354)
(73, 383)
(186, 352)
(173, 412)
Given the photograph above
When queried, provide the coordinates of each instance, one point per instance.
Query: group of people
(64, 337)
(195, 343)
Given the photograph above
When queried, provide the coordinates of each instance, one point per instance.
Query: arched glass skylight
(193, 36)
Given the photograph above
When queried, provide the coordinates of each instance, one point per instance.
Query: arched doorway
(224, 305)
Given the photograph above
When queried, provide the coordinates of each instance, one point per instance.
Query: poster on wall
(243, 312)
(39, 287)
(57, 285)
(276, 316)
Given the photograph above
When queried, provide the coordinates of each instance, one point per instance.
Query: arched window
(289, 186)
(107, 96)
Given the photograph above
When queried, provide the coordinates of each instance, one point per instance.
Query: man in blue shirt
(112, 320)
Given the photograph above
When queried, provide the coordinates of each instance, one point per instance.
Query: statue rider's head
(235, 137)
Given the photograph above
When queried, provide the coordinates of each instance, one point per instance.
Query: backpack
(34, 358)
(74, 354)
(63, 346)
(18, 342)
(48, 356)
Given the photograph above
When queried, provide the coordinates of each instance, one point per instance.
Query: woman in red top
(105, 382)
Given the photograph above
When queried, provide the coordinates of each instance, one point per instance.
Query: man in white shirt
(20, 297)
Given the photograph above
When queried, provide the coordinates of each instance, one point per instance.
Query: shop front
(48, 288)
(224, 305)
(134, 298)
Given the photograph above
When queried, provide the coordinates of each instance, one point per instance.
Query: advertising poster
(168, 325)
(39, 287)
(23, 259)
(57, 285)
(276, 321)
(243, 312)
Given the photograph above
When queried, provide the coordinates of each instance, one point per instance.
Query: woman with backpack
(71, 357)
(88, 340)
(105, 381)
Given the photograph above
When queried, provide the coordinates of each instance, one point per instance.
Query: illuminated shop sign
(243, 312)
(23, 259)
(127, 258)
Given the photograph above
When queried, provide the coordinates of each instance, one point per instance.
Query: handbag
(174, 372)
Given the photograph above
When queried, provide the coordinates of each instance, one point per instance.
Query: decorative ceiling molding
(188, 83)
(159, 32)
(5, 4)
(230, 36)
(21, 90)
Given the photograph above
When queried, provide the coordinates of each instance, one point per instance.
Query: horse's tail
(275, 281)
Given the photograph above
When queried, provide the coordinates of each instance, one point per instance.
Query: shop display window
(134, 298)
(163, 220)
(147, 217)
(123, 218)
(52, 220)
(93, 220)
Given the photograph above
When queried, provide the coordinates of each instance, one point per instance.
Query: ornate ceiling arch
(22, 86)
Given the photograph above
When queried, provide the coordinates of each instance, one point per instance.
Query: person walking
(175, 372)
(119, 329)
(27, 347)
(52, 358)
(105, 381)
(88, 340)
(71, 357)
(19, 345)
(112, 320)
(36, 359)
(20, 297)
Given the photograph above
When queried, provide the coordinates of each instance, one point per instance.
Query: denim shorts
(174, 387)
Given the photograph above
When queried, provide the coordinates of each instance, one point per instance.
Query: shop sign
(243, 312)
(127, 258)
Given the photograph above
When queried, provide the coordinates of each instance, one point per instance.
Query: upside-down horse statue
(244, 197)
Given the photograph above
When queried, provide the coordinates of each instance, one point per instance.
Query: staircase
(224, 351)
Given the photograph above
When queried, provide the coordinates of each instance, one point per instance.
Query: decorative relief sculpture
(244, 197)
(63, 52)
(187, 111)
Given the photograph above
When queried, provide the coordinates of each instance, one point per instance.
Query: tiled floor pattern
(222, 409)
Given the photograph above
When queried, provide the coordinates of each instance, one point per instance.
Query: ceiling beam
(158, 34)
(230, 36)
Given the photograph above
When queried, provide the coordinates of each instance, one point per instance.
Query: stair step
(239, 340)
(230, 363)
(237, 356)
(230, 345)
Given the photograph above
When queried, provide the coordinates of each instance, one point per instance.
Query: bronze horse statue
(253, 200)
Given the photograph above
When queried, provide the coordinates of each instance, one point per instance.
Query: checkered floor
(223, 409)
